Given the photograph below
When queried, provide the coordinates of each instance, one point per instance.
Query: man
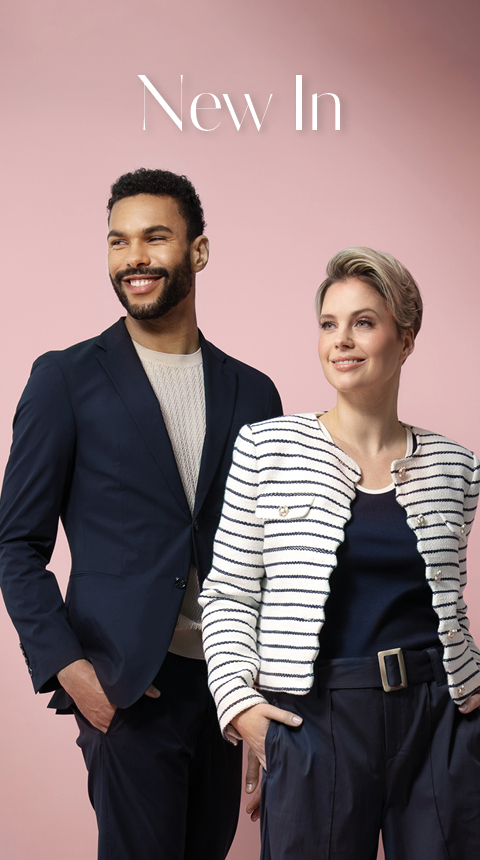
(128, 438)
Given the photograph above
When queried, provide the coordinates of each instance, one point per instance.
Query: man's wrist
(75, 668)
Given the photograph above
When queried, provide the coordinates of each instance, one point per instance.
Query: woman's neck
(369, 421)
(369, 431)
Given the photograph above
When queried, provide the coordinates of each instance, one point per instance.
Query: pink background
(401, 176)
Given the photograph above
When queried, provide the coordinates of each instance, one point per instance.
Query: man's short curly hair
(386, 275)
(162, 183)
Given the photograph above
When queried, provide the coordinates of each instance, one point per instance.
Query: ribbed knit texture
(287, 500)
(177, 381)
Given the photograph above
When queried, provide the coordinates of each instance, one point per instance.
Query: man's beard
(177, 284)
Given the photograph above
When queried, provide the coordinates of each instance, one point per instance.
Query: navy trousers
(406, 763)
(163, 782)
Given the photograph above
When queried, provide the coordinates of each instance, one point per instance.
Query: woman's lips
(345, 364)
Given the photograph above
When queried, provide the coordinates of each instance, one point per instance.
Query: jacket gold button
(283, 511)
(451, 634)
(420, 520)
(437, 575)
(463, 529)
(402, 472)
(461, 690)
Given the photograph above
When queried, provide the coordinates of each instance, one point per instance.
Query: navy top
(379, 597)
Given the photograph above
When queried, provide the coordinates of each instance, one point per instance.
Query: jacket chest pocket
(458, 529)
(279, 508)
(440, 530)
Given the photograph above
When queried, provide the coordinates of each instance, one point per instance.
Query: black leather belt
(393, 670)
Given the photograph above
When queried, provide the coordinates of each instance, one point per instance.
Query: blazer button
(283, 511)
(402, 472)
(180, 582)
(451, 634)
(463, 529)
(437, 575)
(420, 520)
(30, 671)
(196, 526)
(461, 690)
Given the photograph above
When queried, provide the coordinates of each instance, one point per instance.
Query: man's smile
(138, 284)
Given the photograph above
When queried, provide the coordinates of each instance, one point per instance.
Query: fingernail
(297, 720)
(249, 786)
(156, 692)
(254, 817)
(463, 709)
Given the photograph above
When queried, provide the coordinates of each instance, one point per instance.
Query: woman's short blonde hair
(386, 275)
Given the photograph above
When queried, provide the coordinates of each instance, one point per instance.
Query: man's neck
(162, 336)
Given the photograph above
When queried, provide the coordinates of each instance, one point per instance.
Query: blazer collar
(220, 396)
(119, 358)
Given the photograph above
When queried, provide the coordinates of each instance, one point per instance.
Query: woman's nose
(343, 338)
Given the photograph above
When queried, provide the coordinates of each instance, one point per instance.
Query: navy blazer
(90, 447)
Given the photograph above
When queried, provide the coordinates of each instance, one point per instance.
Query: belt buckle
(383, 669)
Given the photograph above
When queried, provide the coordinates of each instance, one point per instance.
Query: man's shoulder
(79, 353)
(245, 371)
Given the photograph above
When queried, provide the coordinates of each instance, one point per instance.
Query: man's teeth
(140, 282)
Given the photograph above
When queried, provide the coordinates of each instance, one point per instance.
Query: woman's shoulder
(305, 422)
(437, 446)
(284, 429)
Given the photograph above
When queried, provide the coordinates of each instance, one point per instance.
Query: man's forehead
(149, 209)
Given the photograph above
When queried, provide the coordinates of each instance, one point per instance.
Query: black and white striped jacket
(287, 500)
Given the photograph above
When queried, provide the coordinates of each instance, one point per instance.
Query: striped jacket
(287, 501)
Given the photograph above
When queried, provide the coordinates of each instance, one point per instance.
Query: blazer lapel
(118, 357)
(220, 395)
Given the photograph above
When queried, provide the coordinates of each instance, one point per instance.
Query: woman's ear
(408, 338)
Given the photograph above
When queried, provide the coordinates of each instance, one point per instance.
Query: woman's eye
(327, 326)
(364, 323)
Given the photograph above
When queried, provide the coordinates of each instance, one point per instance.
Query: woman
(333, 614)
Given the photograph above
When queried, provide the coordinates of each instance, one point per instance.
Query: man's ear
(199, 251)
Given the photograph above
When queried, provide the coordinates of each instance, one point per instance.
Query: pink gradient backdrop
(401, 176)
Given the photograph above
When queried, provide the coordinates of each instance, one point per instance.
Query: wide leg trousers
(406, 763)
(163, 782)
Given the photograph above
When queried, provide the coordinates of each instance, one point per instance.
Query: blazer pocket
(457, 529)
(109, 573)
(278, 507)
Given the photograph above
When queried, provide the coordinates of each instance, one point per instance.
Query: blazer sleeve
(232, 592)
(276, 408)
(35, 491)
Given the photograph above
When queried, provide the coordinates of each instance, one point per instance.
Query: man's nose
(138, 255)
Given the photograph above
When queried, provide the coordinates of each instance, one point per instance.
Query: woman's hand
(253, 724)
(470, 704)
(253, 786)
